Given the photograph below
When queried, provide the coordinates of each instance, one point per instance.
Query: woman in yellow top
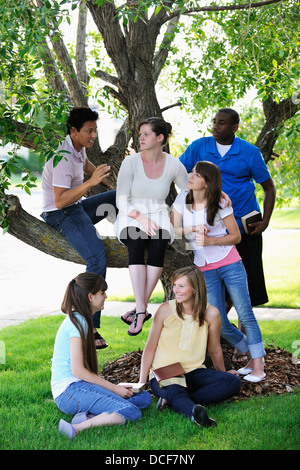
(181, 331)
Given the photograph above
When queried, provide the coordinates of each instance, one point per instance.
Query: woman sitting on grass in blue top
(76, 385)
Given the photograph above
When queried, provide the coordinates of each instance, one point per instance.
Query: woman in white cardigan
(143, 220)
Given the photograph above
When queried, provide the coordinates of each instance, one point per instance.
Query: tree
(259, 50)
(40, 76)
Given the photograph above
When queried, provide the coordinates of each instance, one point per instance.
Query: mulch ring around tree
(282, 371)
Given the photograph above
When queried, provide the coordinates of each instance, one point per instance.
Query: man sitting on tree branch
(63, 188)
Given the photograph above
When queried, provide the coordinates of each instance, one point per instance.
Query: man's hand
(259, 227)
(99, 174)
(225, 198)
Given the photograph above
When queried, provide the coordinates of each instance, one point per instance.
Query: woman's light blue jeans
(76, 223)
(87, 397)
(234, 277)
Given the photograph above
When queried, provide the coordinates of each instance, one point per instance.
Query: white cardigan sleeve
(124, 183)
(182, 177)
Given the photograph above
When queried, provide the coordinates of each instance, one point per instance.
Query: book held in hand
(168, 372)
(250, 218)
(136, 387)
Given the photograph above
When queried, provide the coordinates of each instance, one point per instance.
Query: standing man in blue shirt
(241, 164)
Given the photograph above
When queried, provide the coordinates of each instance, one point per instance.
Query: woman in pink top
(213, 232)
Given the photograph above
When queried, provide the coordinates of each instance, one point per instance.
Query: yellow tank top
(181, 341)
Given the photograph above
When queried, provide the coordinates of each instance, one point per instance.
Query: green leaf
(27, 190)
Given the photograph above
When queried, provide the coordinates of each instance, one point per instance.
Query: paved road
(32, 284)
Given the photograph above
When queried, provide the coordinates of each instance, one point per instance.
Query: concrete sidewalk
(119, 308)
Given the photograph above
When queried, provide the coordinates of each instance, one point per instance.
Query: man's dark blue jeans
(76, 223)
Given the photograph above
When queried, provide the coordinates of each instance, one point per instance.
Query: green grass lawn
(286, 218)
(281, 257)
(29, 417)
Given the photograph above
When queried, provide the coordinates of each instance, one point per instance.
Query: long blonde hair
(197, 282)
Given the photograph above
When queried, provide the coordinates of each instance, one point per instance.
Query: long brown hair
(212, 176)
(197, 282)
(76, 300)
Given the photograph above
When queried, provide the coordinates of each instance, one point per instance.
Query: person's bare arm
(213, 344)
(65, 197)
(153, 338)
(82, 373)
(268, 206)
(232, 238)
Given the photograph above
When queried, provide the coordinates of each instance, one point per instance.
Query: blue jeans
(84, 396)
(234, 277)
(204, 387)
(76, 223)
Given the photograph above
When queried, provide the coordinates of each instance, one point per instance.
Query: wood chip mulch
(282, 371)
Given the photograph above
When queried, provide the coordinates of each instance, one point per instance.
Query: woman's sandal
(131, 314)
(99, 337)
(125, 320)
(239, 357)
(147, 317)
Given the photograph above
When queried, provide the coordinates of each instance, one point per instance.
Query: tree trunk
(132, 54)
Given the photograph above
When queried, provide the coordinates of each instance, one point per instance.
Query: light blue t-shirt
(240, 167)
(61, 373)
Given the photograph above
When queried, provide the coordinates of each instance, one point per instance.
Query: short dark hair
(234, 115)
(78, 116)
(158, 126)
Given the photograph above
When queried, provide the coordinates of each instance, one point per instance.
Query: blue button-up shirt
(240, 167)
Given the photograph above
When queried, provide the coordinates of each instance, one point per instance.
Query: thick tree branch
(22, 131)
(51, 71)
(276, 114)
(73, 83)
(117, 96)
(41, 236)
(113, 37)
(162, 54)
(81, 45)
(71, 78)
(171, 106)
(244, 6)
(106, 77)
(44, 238)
